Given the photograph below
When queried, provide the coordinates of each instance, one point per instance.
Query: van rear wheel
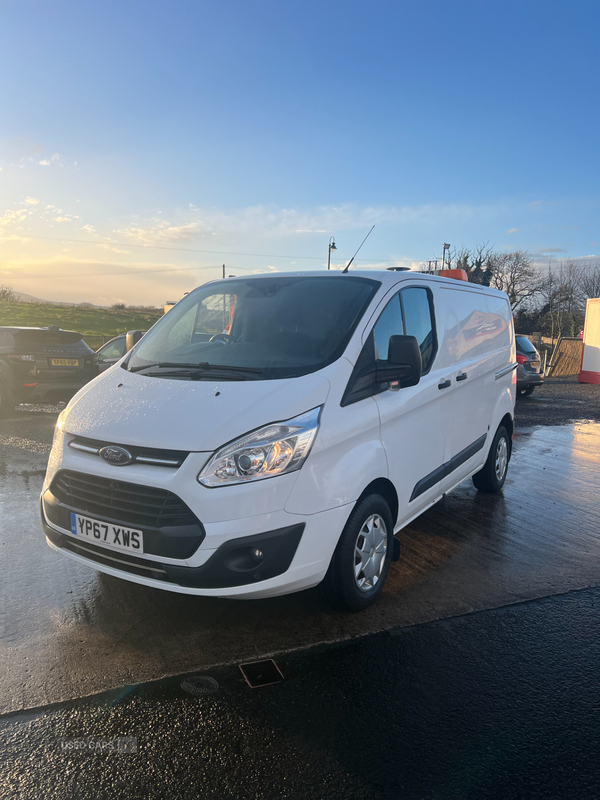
(362, 557)
(491, 478)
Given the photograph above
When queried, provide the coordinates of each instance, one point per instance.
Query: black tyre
(526, 391)
(7, 402)
(362, 557)
(491, 478)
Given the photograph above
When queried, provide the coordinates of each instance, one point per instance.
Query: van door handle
(462, 377)
(444, 384)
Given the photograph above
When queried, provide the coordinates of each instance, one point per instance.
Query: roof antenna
(347, 267)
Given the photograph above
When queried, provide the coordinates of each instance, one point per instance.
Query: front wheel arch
(387, 490)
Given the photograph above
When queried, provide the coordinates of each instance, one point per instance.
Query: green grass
(98, 325)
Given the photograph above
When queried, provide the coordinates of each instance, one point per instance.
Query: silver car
(529, 370)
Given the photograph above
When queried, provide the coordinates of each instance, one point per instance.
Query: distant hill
(98, 325)
(29, 298)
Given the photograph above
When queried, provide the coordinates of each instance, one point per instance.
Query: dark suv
(42, 365)
(529, 369)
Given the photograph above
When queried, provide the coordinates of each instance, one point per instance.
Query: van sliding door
(471, 342)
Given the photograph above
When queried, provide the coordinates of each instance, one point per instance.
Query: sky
(145, 144)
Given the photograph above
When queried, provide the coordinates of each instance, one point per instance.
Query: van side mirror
(404, 362)
(133, 338)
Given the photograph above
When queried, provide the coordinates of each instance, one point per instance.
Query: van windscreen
(276, 327)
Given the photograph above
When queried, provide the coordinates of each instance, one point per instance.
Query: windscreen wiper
(203, 366)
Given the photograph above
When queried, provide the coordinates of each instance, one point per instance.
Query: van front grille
(143, 506)
(140, 455)
(122, 561)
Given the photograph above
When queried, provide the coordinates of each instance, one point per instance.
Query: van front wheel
(362, 557)
(491, 478)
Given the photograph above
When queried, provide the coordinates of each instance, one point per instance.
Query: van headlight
(272, 450)
(58, 428)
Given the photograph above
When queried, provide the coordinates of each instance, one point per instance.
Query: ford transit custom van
(273, 433)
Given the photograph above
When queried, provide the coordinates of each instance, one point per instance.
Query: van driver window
(419, 323)
(388, 324)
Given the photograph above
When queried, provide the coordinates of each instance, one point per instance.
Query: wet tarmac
(67, 631)
(493, 705)
(559, 401)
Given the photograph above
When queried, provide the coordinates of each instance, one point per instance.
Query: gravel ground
(559, 401)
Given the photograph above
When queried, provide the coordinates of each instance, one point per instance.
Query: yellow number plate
(64, 362)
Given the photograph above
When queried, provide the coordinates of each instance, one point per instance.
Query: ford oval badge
(116, 455)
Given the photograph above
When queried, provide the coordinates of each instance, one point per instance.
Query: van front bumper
(295, 556)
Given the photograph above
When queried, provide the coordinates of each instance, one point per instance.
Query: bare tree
(515, 274)
(7, 295)
(476, 262)
(589, 281)
(562, 307)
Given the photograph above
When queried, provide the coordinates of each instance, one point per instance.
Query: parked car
(41, 365)
(115, 349)
(272, 433)
(111, 352)
(529, 371)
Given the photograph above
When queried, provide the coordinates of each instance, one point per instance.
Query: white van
(271, 433)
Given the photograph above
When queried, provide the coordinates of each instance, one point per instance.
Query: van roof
(388, 278)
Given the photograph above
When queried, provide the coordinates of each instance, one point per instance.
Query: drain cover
(199, 685)
(261, 673)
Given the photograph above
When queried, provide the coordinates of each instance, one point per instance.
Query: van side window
(388, 324)
(417, 310)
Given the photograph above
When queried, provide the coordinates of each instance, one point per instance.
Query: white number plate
(105, 534)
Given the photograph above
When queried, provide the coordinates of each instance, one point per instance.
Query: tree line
(549, 299)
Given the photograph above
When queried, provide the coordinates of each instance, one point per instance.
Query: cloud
(261, 222)
(512, 230)
(55, 159)
(61, 219)
(161, 232)
(537, 203)
(31, 201)
(71, 279)
(89, 228)
(11, 217)
(550, 250)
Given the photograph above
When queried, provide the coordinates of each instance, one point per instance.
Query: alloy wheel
(369, 553)
(501, 458)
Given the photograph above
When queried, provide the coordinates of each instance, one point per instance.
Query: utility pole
(446, 247)
(331, 247)
(223, 299)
